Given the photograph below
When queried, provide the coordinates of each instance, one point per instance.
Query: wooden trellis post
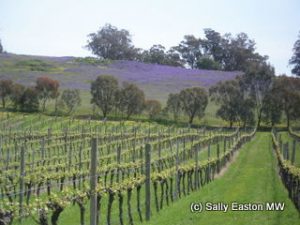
(208, 151)
(177, 170)
(287, 151)
(118, 161)
(148, 181)
(80, 163)
(224, 145)
(294, 152)
(196, 166)
(93, 182)
(159, 155)
(22, 174)
(43, 149)
(49, 135)
(218, 156)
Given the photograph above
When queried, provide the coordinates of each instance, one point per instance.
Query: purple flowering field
(156, 80)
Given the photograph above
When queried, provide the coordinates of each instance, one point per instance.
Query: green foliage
(131, 100)
(208, 64)
(272, 108)
(1, 47)
(213, 45)
(235, 106)
(34, 65)
(244, 181)
(226, 52)
(174, 105)
(257, 80)
(173, 58)
(111, 43)
(290, 173)
(287, 91)
(194, 101)
(15, 96)
(157, 55)
(29, 101)
(5, 90)
(71, 98)
(238, 52)
(92, 61)
(103, 91)
(191, 101)
(46, 88)
(190, 50)
(246, 114)
(220, 52)
(295, 60)
(153, 108)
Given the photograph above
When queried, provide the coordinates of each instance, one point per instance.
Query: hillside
(156, 80)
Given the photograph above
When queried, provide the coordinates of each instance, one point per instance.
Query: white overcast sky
(60, 27)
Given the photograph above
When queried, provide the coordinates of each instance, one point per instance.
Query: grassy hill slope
(157, 81)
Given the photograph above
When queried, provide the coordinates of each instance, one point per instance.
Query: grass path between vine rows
(251, 178)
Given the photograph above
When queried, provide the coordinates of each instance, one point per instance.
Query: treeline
(130, 100)
(258, 96)
(125, 100)
(34, 98)
(214, 51)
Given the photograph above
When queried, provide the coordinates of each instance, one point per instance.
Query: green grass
(252, 178)
(30, 65)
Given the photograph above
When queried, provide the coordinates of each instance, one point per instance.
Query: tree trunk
(6, 217)
(138, 203)
(288, 120)
(82, 212)
(55, 215)
(104, 113)
(191, 119)
(44, 105)
(121, 208)
(129, 206)
(109, 208)
(98, 207)
(55, 106)
(43, 219)
(3, 102)
(259, 118)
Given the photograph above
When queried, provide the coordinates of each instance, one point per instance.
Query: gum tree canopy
(111, 43)
(193, 101)
(295, 60)
(1, 47)
(103, 91)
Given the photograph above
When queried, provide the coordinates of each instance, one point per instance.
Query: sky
(60, 27)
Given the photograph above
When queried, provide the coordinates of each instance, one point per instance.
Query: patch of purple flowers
(156, 80)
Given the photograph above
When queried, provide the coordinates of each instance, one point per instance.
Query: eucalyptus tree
(295, 60)
(193, 102)
(103, 91)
